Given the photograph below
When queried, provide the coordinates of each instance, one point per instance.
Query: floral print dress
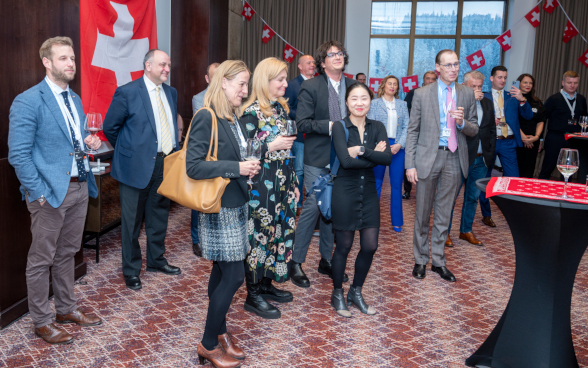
(272, 200)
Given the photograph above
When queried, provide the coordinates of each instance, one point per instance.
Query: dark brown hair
(445, 51)
(532, 91)
(321, 54)
(358, 85)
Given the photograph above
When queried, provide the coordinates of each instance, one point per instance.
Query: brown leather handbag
(203, 195)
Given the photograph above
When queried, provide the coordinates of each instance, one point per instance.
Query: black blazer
(312, 118)
(486, 133)
(227, 166)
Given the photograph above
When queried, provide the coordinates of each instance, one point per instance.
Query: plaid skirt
(223, 235)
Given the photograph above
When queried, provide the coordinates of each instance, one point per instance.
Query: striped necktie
(166, 140)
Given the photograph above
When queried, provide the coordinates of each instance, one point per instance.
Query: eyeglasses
(451, 66)
(333, 54)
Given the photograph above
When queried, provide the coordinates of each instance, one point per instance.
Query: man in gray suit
(442, 114)
(198, 100)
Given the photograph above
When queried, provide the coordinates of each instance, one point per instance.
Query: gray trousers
(439, 188)
(307, 222)
(57, 237)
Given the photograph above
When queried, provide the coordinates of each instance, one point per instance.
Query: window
(407, 35)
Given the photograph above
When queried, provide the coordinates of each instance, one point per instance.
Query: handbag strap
(213, 135)
(336, 163)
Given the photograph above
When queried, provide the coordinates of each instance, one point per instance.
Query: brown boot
(79, 318)
(470, 238)
(229, 346)
(448, 242)
(487, 220)
(54, 335)
(217, 357)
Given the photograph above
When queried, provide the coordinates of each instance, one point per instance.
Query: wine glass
(583, 121)
(567, 164)
(93, 125)
(253, 153)
(291, 130)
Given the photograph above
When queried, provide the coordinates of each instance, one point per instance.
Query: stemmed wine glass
(291, 130)
(567, 164)
(253, 153)
(583, 121)
(93, 125)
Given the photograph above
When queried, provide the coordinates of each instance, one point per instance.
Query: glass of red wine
(93, 125)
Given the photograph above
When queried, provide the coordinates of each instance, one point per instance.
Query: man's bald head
(306, 66)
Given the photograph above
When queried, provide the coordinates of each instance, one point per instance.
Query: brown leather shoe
(448, 242)
(470, 238)
(217, 357)
(54, 335)
(79, 318)
(229, 346)
(487, 220)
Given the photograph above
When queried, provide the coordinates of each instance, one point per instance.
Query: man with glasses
(443, 114)
(321, 102)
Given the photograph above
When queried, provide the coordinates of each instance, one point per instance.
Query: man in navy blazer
(141, 125)
(507, 108)
(45, 142)
(306, 66)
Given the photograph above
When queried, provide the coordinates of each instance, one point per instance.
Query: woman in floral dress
(273, 197)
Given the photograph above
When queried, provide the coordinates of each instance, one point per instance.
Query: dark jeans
(506, 150)
(194, 227)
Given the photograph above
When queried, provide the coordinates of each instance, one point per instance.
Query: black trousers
(527, 159)
(407, 184)
(553, 143)
(137, 204)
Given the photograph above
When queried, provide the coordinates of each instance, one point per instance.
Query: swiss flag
(550, 5)
(114, 39)
(584, 58)
(409, 83)
(290, 53)
(350, 76)
(476, 60)
(267, 34)
(504, 40)
(570, 32)
(375, 84)
(533, 17)
(247, 11)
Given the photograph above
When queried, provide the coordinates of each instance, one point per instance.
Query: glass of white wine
(568, 163)
(583, 121)
(291, 130)
(253, 153)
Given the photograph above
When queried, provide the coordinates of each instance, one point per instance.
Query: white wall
(357, 35)
(163, 12)
(519, 59)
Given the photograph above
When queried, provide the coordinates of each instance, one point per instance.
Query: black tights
(368, 240)
(225, 280)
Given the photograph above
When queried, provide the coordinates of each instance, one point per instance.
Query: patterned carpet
(428, 323)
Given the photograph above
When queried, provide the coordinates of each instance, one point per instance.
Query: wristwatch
(41, 199)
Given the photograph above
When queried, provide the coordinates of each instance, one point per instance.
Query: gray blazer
(198, 101)
(379, 112)
(424, 128)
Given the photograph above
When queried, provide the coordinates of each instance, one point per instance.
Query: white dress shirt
(500, 113)
(392, 118)
(151, 88)
(335, 84)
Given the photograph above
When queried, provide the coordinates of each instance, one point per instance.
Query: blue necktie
(76, 143)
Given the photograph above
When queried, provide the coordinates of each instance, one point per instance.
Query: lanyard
(444, 106)
(239, 132)
(572, 108)
(69, 118)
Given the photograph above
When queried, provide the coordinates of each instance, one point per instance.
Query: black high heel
(354, 297)
(338, 302)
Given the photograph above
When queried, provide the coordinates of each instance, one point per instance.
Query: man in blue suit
(45, 142)
(141, 125)
(306, 66)
(507, 108)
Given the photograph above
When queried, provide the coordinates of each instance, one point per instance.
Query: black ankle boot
(254, 302)
(298, 276)
(269, 291)
(326, 268)
(338, 302)
(354, 297)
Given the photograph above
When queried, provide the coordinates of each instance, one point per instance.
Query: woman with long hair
(393, 113)
(223, 235)
(530, 129)
(355, 205)
(274, 194)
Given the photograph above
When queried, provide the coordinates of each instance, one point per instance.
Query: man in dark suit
(45, 141)
(360, 77)
(141, 125)
(321, 102)
(481, 153)
(306, 66)
(507, 108)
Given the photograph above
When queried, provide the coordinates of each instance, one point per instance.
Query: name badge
(534, 109)
(80, 155)
(446, 132)
(572, 121)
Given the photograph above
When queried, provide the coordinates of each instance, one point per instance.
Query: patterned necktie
(166, 141)
(452, 144)
(81, 169)
(502, 119)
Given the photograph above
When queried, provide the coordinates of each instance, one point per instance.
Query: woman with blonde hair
(223, 235)
(393, 113)
(273, 196)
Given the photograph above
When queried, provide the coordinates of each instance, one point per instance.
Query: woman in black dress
(530, 129)
(355, 204)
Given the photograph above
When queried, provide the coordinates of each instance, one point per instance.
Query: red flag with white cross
(570, 32)
(247, 11)
(375, 84)
(409, 83)
(584, 58)
(504, 40)
(290, 53)
(533, 17)
(350, 76)
(267, 34)
(114, 39)
(550, 5)
(476, 60)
